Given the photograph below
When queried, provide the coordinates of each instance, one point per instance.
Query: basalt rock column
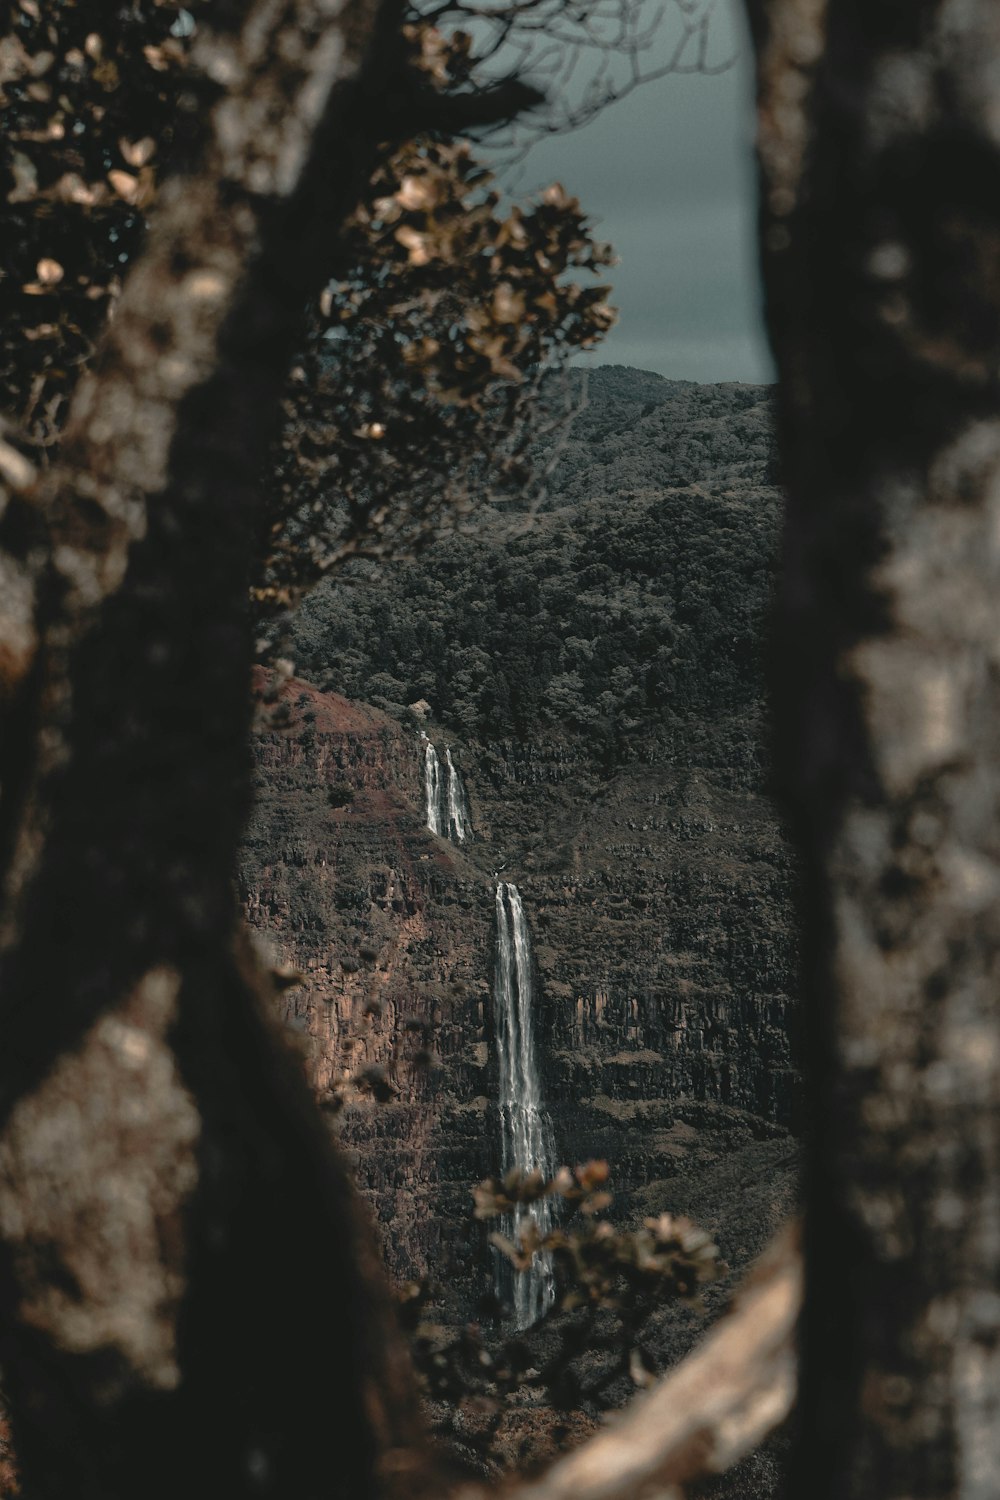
(526, 1135)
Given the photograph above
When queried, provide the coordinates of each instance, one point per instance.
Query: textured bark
(188, 1295)
(880, 147)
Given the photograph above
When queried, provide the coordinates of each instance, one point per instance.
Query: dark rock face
(391, 927)
(599, 678)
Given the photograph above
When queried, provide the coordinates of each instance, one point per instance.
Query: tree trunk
(189, 1301)
(879, 140)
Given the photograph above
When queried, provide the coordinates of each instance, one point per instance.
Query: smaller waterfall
(432, 785)
(444, 795)
(526, 1136)
(457, 806)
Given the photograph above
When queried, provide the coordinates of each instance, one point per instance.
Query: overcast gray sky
(668, 172)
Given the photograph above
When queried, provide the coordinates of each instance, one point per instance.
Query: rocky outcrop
(629, 805)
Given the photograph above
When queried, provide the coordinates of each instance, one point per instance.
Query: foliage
(419, 359)
(598, 1265)
(424, 360)
(96, 108)
(630, 599)
(609, 1280)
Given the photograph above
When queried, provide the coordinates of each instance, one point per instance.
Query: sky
(668, 173)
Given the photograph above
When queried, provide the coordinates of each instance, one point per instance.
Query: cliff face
(599, 678)
(384, 922)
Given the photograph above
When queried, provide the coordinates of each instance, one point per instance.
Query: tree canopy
(440, 307)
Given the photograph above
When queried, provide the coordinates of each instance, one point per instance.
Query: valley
(596, 674)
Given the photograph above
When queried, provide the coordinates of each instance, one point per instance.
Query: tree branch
(718, 1405)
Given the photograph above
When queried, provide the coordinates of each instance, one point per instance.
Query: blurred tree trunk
(189, 1301)
(879, 141)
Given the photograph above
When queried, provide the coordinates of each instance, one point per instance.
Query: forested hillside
(631, 606)
(595, 671)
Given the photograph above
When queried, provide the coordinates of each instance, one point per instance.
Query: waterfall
(432, 785)
(526, 1138)
(447, 808)
(457, 806)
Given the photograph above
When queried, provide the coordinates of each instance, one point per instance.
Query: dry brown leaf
(71, 188)
(417, 193)
(25, 179)
(508, 305)
(416, 244)
(137, 153)
(49, 271)
(124, 184)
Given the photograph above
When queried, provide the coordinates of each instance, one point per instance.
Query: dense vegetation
(443, 303)
(632, 603)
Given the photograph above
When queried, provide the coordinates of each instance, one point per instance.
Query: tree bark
(879, 141)
(189, 1300)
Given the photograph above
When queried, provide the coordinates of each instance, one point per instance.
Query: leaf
(505, 1246)
(664, 1227)
(71, 188)
(564, 1182)
(25, 179)
(15, 469)
(596, 1203)
(415, 243)
(49, 271)
(137, 153)
(508, 305)
(416, 193)
(593, 1174)
(386, 209)
(533, 1186)
(556, 196)
(124, 184)
(489, 1200)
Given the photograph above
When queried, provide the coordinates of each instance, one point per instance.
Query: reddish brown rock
(665, 955)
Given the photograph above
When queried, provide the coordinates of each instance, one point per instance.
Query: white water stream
(447, 808)
(432, 785)
(526, 1135)
(457, 808)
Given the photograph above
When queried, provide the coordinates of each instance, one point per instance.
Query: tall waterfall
(447, 808)
(526, 1136)
(432, 785)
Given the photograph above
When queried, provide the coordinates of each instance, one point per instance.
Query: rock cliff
(597, 670)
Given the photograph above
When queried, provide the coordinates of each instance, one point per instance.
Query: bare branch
(581, 57)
